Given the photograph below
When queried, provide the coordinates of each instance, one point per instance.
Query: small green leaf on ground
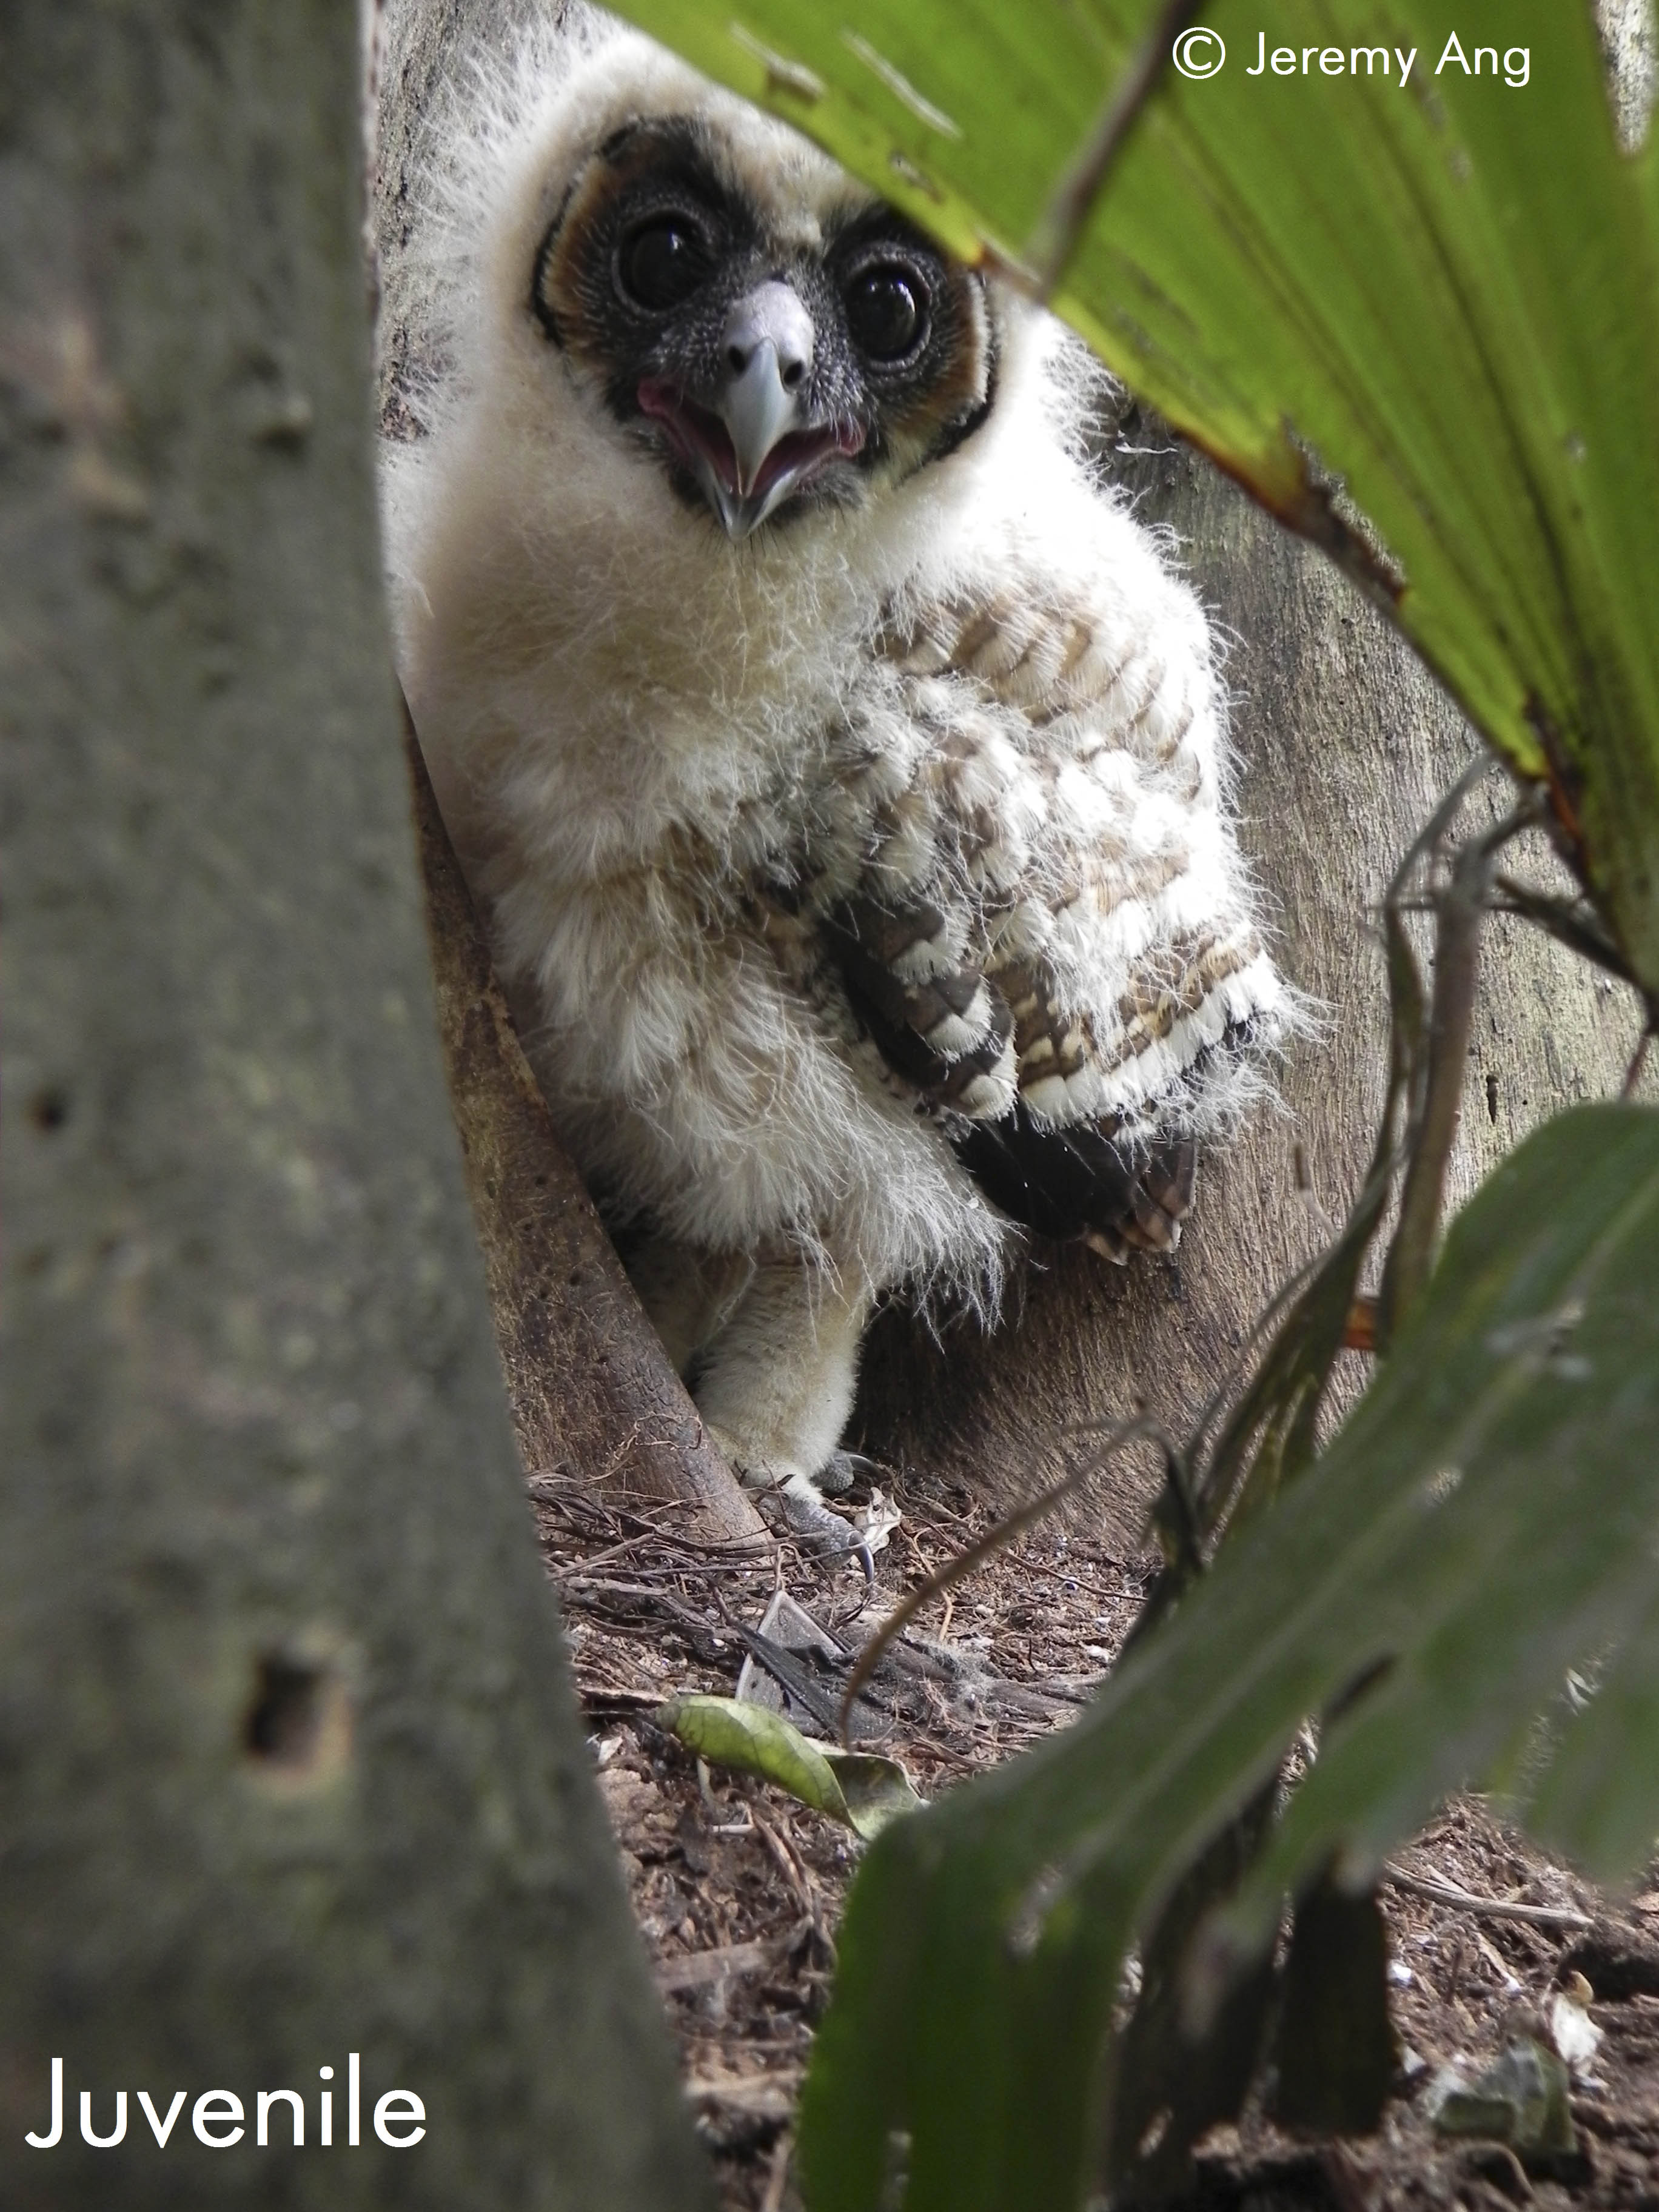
(857, 1788)
(1520, 2099)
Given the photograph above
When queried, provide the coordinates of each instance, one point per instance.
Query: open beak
(753, 442)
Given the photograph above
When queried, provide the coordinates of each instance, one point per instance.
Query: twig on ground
(1491, 1908)
(792, 1871)
(574, 1575)
(1142, 1428)
(765, 2096)
(565, 1497)
(607, 1701)
(699, 1970)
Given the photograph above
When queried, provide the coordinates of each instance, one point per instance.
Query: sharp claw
(808, 1517)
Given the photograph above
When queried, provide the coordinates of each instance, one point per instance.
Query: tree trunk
(412, 68)
(291, 1767)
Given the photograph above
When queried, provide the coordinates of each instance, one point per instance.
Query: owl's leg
(775, 1386)
(689, 1296)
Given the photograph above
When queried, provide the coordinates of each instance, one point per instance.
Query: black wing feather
(1077, 1182)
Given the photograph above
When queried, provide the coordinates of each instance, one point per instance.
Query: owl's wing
(1033, 899)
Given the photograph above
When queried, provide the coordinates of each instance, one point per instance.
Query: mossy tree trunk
(289, 1764)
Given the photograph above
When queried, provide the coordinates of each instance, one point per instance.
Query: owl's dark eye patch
(662, 261)
(886, 308)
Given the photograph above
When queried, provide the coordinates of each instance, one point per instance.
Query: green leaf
(1448, 290)
(1487, 1519)
(1522, 2099)
(857, 1788)
(876, 1789)
(1585, 1806)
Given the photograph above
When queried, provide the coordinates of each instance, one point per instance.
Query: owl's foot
(818, 1528)
(801, 1498)
(841, 1471)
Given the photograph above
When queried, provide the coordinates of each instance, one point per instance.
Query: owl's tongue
(774, 469)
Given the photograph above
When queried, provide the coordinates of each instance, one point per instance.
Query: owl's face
(753, 324)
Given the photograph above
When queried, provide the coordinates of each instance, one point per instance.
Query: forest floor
(739, 1889)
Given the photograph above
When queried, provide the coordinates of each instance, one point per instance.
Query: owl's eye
(886, 311)
(662, 262)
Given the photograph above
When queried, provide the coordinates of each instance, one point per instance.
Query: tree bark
(415, 44)
(291, 1768)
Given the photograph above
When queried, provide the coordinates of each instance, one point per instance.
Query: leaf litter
(737, 1886)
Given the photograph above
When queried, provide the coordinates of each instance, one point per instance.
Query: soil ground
(738, 1889)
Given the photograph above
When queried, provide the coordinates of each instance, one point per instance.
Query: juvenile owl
(840, 767)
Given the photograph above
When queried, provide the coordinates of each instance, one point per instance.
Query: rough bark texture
(416, 48)
(589, 1384)
(289, 1766)
(1345, 743)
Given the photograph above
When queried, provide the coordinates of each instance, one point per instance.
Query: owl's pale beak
(768, 348)
(752, 442)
